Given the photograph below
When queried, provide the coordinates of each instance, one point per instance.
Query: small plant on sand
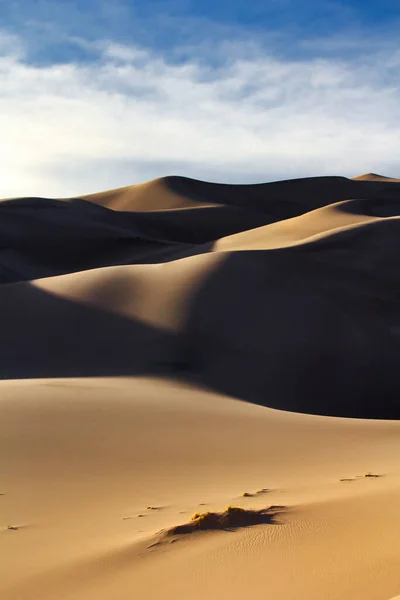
(232, 517)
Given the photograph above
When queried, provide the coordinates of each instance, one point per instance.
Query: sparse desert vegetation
(232, 517)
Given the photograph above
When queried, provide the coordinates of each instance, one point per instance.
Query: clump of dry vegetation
(232, 517)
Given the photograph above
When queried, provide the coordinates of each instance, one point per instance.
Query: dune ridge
(227, 286)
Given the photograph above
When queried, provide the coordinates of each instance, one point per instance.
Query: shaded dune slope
(285, 294)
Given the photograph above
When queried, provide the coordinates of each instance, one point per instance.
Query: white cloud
(130, 115)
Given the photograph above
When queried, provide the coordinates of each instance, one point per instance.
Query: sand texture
(177, 350)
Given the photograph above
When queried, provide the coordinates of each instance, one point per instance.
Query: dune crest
(149, 196)
(374, 177)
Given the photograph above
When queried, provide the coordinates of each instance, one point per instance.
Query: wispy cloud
(129, 114)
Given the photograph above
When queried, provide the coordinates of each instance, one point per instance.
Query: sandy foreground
(178, 347)
(82, 459)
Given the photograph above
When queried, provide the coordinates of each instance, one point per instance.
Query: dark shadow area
(47, 336)
(313, 328)
(43, 238)
(198, 225)
(374, 207)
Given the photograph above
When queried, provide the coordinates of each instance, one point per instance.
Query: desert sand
(180, 347)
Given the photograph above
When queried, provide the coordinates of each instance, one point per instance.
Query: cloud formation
(128, 115)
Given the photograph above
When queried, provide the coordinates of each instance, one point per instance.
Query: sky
(96, 95)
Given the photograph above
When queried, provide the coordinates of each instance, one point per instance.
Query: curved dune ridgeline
(284, 294)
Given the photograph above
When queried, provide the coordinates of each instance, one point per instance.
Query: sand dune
(374, 177)
(150, 334)
(149, 196)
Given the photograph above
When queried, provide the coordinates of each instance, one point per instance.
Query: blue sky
(167, 25)
(99, 94)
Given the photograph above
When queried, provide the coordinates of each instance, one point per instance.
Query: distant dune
(149, 334)
(374, 177)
